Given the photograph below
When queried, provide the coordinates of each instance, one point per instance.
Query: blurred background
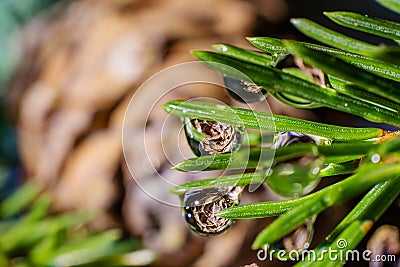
(67, 72)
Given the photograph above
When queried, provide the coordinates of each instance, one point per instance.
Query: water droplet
(201, 206)
(295, 179)
(299, 176)
(301, 238)
(243, 91)
(287, 138)
(211, 137)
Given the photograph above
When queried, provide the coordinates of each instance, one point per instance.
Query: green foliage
(32, 237)
(262, 121)
(362, 79)
(390, 4)
(380, 27)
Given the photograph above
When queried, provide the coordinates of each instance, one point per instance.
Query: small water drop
(296, 177)
(301, 238)
(243, 91)
(212, 137)
(201, 206)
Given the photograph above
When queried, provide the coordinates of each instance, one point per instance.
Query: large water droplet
(296, 177)
(201, 206)
(243, 91)
(212, 137)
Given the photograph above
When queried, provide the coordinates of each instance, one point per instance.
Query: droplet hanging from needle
(296, 177)
(211, 137)
(288, 138)
(243, 91)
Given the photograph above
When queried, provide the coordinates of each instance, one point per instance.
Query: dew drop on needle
(299, 176)
(283, 139)
(200, 208)
(245, 92)
(211, 137)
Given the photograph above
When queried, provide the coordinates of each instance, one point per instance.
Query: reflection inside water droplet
(296, 177)
(243, 91)
(212, 137)
(201, 206)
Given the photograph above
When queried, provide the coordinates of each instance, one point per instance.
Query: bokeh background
(67, 72)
